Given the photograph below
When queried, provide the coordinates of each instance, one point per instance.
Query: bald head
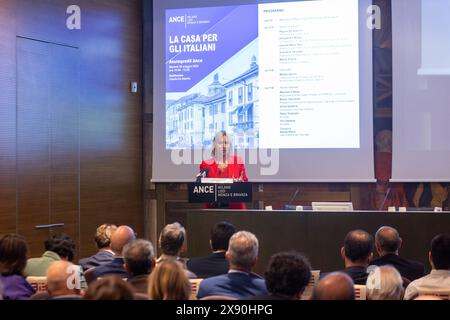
(387, 240)
(58, 274)
(120, 237)
(335, 286)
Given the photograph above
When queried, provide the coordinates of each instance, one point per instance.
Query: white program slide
(307, 99)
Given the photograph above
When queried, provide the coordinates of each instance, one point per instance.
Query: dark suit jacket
(213, 265)
(114, 267)
(358, 274)
(409, 269)
(100, 258)
(239, 285)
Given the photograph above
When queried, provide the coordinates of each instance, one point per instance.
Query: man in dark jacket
(215, 263)
(103, 241)
(387, 245)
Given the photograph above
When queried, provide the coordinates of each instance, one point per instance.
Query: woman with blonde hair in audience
(169, 282)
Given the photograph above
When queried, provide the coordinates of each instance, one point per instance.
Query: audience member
(387, 245)
(109, 288)
(357, 253)
(335, 286)
(172, 242)
(120, 237)
(287, 275)
(61, 281)
(58, 247)
(169, 282)
(439, 278)
(103, 241)
(239, 282)
(13, 258)
(139, 257)
(214, 264)
(384, 283)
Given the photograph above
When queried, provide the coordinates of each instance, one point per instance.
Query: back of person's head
(172, 238)
(109, 288)
(243, 250)
(120, 237)
(384, 283)
(62, 245)
(287, 274)
(139, 257)
(169, 281)
(440, 252)
(335, 286)
(221, 234)
(103, 235)
(58, 275)
(13, 254)
(387, 240)
(358, 246)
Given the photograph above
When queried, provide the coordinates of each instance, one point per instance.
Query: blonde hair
(385, 283)
(103, 235)
(219, 134)
(169, 282)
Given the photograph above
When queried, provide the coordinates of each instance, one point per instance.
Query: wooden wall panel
(98, 179)
(7, 117)
(33, 146)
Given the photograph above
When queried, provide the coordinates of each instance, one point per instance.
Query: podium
(208, 192)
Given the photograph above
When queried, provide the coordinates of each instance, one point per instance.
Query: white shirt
(436, 280)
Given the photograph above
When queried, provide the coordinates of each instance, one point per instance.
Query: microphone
(202, 174)
(388, 191)
(289, 205)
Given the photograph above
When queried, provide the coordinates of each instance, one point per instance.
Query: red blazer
(235, 170)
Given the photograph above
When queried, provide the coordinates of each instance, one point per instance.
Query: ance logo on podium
(219, 190)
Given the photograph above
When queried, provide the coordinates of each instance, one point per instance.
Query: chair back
(218, 298)
(195, 284)
(309, 290)
(39, 284)
(444, 294)
(360, 292)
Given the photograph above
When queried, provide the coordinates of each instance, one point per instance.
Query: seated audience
(215, 263)
(239, 282)
(384, 283)
(120, 237)
(287, 276)
(387, 245)
(109, 288)
(169, 282)
(103, 241)
(172, 243)
(439, 278)
(61, 281)
(335, 286)
(58, 247)
(139, 257)
(357, 253)
(13, 258)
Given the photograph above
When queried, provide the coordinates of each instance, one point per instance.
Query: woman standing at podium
(224, 165)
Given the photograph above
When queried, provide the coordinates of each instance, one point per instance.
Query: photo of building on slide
(225, 100)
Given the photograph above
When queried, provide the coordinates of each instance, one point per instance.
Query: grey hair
(172, 238)
(243, 249)
(384, 283)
